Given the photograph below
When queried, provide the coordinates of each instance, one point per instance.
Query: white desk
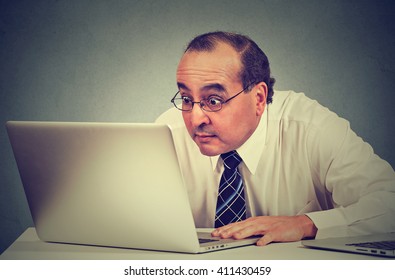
(29, 247)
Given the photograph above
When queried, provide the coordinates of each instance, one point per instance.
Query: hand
(273, 228)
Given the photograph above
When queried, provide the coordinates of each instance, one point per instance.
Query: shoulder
(290, 106)
(171, 117)
(295, 116)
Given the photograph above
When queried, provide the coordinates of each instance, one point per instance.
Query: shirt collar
(252, 147)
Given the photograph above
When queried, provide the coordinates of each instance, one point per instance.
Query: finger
(250, 227)
(247, 231)
(218, 231)
(241, 230)
(266, 239)
(226, 231)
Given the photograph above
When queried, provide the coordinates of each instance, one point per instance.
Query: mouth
(204, 137)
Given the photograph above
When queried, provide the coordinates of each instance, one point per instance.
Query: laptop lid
(375, 244)
(107, 184)
(104, 184)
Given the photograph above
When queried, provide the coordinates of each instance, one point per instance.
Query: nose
(198, 116)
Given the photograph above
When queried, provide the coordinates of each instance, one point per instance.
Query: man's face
(201, 75)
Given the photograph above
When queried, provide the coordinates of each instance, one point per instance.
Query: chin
(212, 147)
(210, 152)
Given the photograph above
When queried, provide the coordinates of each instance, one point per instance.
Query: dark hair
(255, 62)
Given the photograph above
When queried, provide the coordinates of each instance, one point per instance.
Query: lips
(203, 137)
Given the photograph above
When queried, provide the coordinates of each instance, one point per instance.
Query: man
(302, 172)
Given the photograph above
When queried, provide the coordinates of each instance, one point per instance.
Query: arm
(361, 185)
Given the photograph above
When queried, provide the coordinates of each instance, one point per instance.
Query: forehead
(222, 65)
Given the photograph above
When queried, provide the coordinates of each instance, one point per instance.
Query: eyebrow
(215, 86)
(182, 86)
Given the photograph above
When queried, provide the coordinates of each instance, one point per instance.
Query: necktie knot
(231, 159)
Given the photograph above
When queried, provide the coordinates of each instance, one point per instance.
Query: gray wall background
(115, 61)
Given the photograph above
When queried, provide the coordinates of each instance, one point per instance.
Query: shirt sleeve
(361, 185)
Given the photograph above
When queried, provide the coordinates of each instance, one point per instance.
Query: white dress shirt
(302, 159)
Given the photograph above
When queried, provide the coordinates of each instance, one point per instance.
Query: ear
(261, 95)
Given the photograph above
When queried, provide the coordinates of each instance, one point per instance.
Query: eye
(214, 101)
(186, 100)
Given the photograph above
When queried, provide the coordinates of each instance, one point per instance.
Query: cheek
(228, 129)
(235, 129)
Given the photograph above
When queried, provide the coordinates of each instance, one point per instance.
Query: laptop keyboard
(381, 245)
(204, 240)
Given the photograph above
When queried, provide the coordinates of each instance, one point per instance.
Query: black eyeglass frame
(202, 103)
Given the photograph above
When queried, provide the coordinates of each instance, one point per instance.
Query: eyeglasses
(211, 104)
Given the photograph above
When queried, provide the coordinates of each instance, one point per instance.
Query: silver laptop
(107, 184)
(374, 244)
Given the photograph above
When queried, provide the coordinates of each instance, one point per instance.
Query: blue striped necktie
(231, 205)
